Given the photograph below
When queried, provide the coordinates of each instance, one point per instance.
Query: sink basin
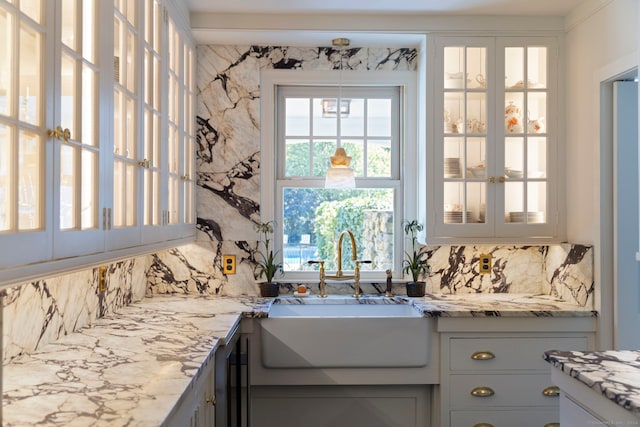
(343, 310)
(345, 334)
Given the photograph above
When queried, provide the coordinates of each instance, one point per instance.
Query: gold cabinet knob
(483, 425)
(551, 391)
(501, 179)
(492, 179)
(482, 392)
(483, 355)
(59, 133)
(144, 163)
(211, 400)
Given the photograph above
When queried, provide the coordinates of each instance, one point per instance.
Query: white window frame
(407, 191)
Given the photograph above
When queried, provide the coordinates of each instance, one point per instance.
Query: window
(370, 127)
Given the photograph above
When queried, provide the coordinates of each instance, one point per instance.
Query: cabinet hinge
(106, 218)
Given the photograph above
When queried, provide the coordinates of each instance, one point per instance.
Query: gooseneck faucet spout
(354, 255)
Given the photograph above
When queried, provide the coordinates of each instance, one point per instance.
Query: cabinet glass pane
(537, 111)
(29, 181)
(514, 157)
(6, 174)
(476, 166)
(130, 130)
(462, 197)
(514, 202)
(32, 8)
(131, 194)
(454, 67)
(68, 95)
(131, 60)
(173, 200)
(67, 187)
(68, 18)
(454, 150)
(119, 192)
(88, 99)
(476, 113)
(476, 202)
(454, 110)
(476, 67)
(537, 67)
(89, 197)
(6, 71)
(514, 67)
(30, 72)
(89, 30)
(514, 112)
(536, 202)
(537, 158)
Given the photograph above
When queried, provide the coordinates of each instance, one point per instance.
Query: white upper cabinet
(493, 175)
(96, 128)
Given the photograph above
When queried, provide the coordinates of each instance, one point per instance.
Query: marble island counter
(131, 368)
(597, 378)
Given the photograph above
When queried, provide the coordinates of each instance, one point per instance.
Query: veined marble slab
(477, 305)
(129, 369)
(612, 374)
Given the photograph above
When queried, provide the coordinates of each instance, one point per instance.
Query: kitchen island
(599, 387)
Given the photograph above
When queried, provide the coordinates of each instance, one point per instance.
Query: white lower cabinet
(341, 406)
(493, 373)
(196, 407)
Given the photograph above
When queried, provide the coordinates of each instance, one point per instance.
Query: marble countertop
(464, 305)
(130, 368)
(612, 374)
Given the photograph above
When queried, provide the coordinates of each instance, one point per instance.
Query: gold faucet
(339, 274)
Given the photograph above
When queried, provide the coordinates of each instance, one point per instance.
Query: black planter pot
(415, 289)
(269, 289)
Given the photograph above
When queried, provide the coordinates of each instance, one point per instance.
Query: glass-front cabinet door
(492, 157)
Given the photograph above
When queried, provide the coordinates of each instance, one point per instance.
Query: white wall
(600, 33)
(601, 41)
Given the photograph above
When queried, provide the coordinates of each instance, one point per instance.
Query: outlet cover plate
(229, 264)
(485, 263)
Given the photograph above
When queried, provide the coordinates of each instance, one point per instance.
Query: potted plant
(415, 261)
(267, 266)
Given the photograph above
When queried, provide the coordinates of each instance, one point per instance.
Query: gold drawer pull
(483, 425)
(551, 391)
(483, 355)
(482, 392)
(552, 425)
(211, 400)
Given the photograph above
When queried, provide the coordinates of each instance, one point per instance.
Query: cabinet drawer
(509, 353)
(508, 390)
(521, 418)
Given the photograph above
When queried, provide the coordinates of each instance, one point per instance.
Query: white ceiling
(258, 10)
(449, 7)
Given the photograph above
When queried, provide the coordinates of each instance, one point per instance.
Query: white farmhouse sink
(344, 335)
(342, 310)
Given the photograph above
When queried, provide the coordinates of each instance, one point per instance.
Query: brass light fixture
(339, 175)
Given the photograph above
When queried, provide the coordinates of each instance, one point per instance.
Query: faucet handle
(313, 261)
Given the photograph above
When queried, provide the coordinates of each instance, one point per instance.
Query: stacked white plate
(452, 167)
(532, 217)
(455, 217)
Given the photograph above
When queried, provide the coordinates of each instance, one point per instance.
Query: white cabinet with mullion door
(49, 126)
(493, 176)
(180, 217)
(78, 228)
(154, 137)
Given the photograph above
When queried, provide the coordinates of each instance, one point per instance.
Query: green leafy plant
(267, 266)
(415, 261)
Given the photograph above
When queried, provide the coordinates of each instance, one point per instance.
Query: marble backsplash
(39, 312)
